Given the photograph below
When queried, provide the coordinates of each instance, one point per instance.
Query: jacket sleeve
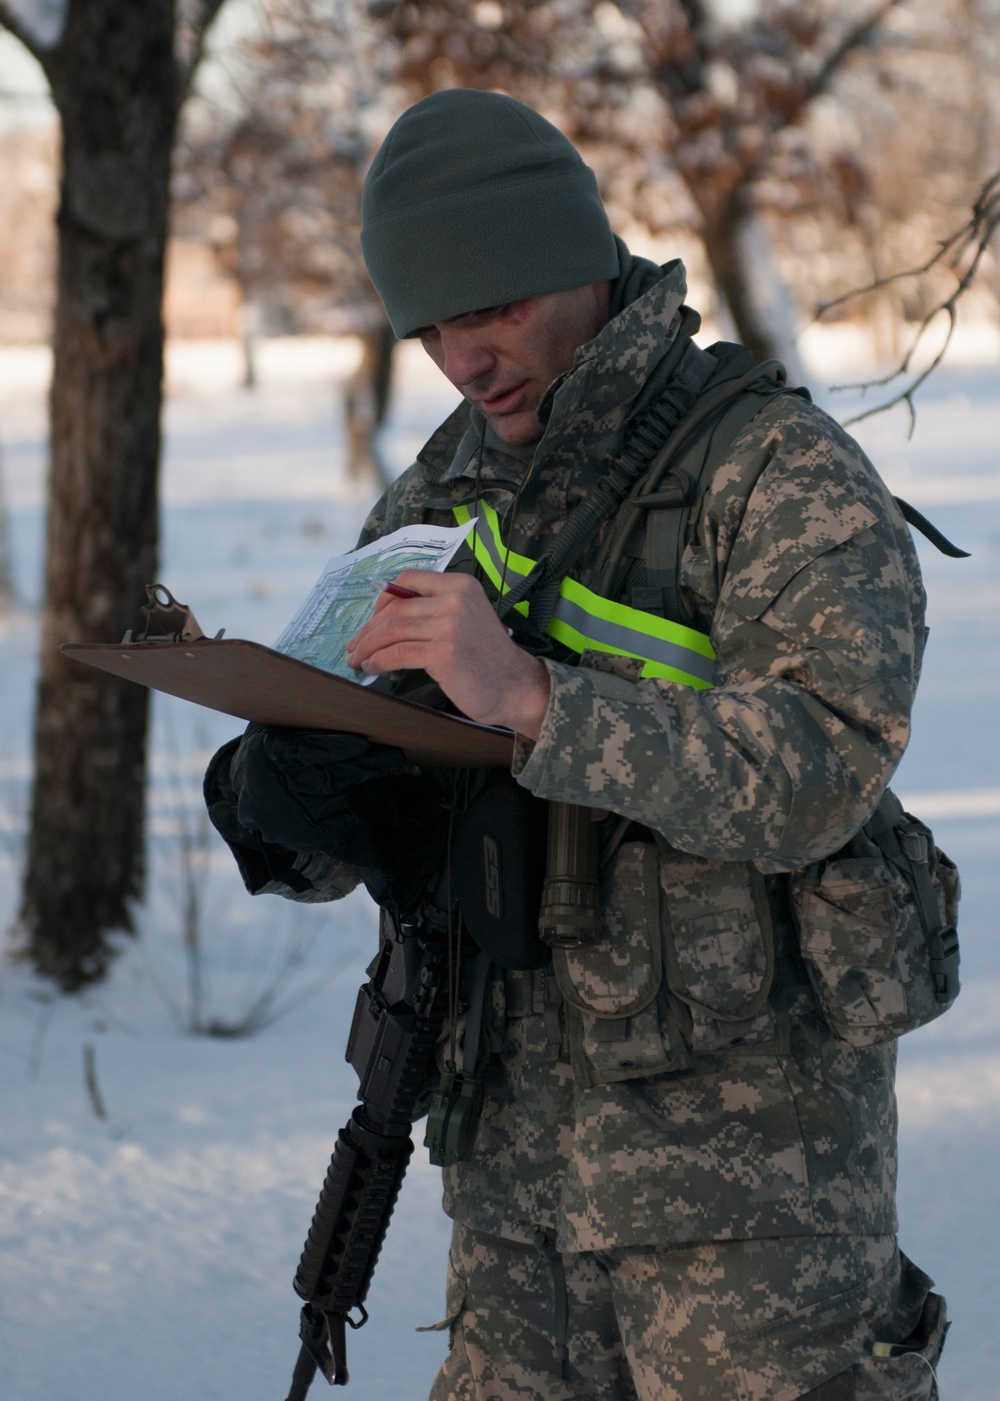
(818, 634)
(310, 877)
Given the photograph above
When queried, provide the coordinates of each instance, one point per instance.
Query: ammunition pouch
(877, 928)
(692, 953)
(683, 966)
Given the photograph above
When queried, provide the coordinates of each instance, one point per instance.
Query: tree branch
(679, 74)
(967, 245)
(855, 38)
(698, 27)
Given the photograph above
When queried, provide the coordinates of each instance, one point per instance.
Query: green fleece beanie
(474, 200)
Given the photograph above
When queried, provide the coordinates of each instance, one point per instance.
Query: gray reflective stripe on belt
(624, 639)
(504, 568)
(601, 631)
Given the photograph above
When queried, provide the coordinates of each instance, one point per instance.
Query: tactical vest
(808, 921)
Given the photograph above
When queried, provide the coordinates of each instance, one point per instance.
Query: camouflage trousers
(767, 1320)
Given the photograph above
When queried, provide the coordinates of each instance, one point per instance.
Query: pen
(387, 586)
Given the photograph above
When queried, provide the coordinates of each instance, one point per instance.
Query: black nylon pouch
(497, 869)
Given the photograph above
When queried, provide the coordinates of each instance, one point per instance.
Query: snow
(148, 1254)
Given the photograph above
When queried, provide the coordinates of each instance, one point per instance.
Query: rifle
(397, 1021)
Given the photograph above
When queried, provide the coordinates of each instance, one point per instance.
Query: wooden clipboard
(252, 682)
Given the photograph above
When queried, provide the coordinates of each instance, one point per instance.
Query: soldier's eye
(486, 313)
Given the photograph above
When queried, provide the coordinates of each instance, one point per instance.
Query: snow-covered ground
(147, 1253)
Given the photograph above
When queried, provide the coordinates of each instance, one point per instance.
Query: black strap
(645, 439)
(664, 529)
(913, 517)
(546, 1247)
(669, 509)
(661, 486)
(909, 846)
(477, 976)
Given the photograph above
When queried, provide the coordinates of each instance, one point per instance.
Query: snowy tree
(959, 257)
(118, 72)
(737, 95)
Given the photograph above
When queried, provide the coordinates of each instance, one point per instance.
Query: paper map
(344, 596)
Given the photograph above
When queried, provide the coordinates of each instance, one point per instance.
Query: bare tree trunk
(249, 326)
(114, 83)
(366, 403)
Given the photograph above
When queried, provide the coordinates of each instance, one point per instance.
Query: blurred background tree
(118, 73)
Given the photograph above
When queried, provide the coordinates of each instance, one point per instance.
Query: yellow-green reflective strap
(583, 619)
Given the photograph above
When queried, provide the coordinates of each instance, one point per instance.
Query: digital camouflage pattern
(677, 1083)
(738, 1321)
(862, 931)
(737, 1117)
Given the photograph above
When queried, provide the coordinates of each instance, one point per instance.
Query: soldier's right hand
(450, 630)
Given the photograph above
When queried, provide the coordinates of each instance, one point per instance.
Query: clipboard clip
(165, 620)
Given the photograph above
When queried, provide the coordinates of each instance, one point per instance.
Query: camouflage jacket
(676, 1082)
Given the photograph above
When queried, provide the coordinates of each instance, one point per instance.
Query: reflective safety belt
(584, 620)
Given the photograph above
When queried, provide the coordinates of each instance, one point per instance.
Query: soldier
(682, 1184)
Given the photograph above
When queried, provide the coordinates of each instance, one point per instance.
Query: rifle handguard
(342, 1248)
(396, 1024)
(351, 1217)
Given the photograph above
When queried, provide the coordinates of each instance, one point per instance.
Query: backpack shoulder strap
(679, 475)
(666, 525)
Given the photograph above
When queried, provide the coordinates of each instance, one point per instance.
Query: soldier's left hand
(452, 632)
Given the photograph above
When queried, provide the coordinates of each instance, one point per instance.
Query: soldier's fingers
(396, 657)
(447, 610)
(424, 606)
(387, 631)
(430, 584)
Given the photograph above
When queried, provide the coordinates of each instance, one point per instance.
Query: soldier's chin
(516, 428)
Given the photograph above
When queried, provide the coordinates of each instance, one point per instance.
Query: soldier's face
(505, 357)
